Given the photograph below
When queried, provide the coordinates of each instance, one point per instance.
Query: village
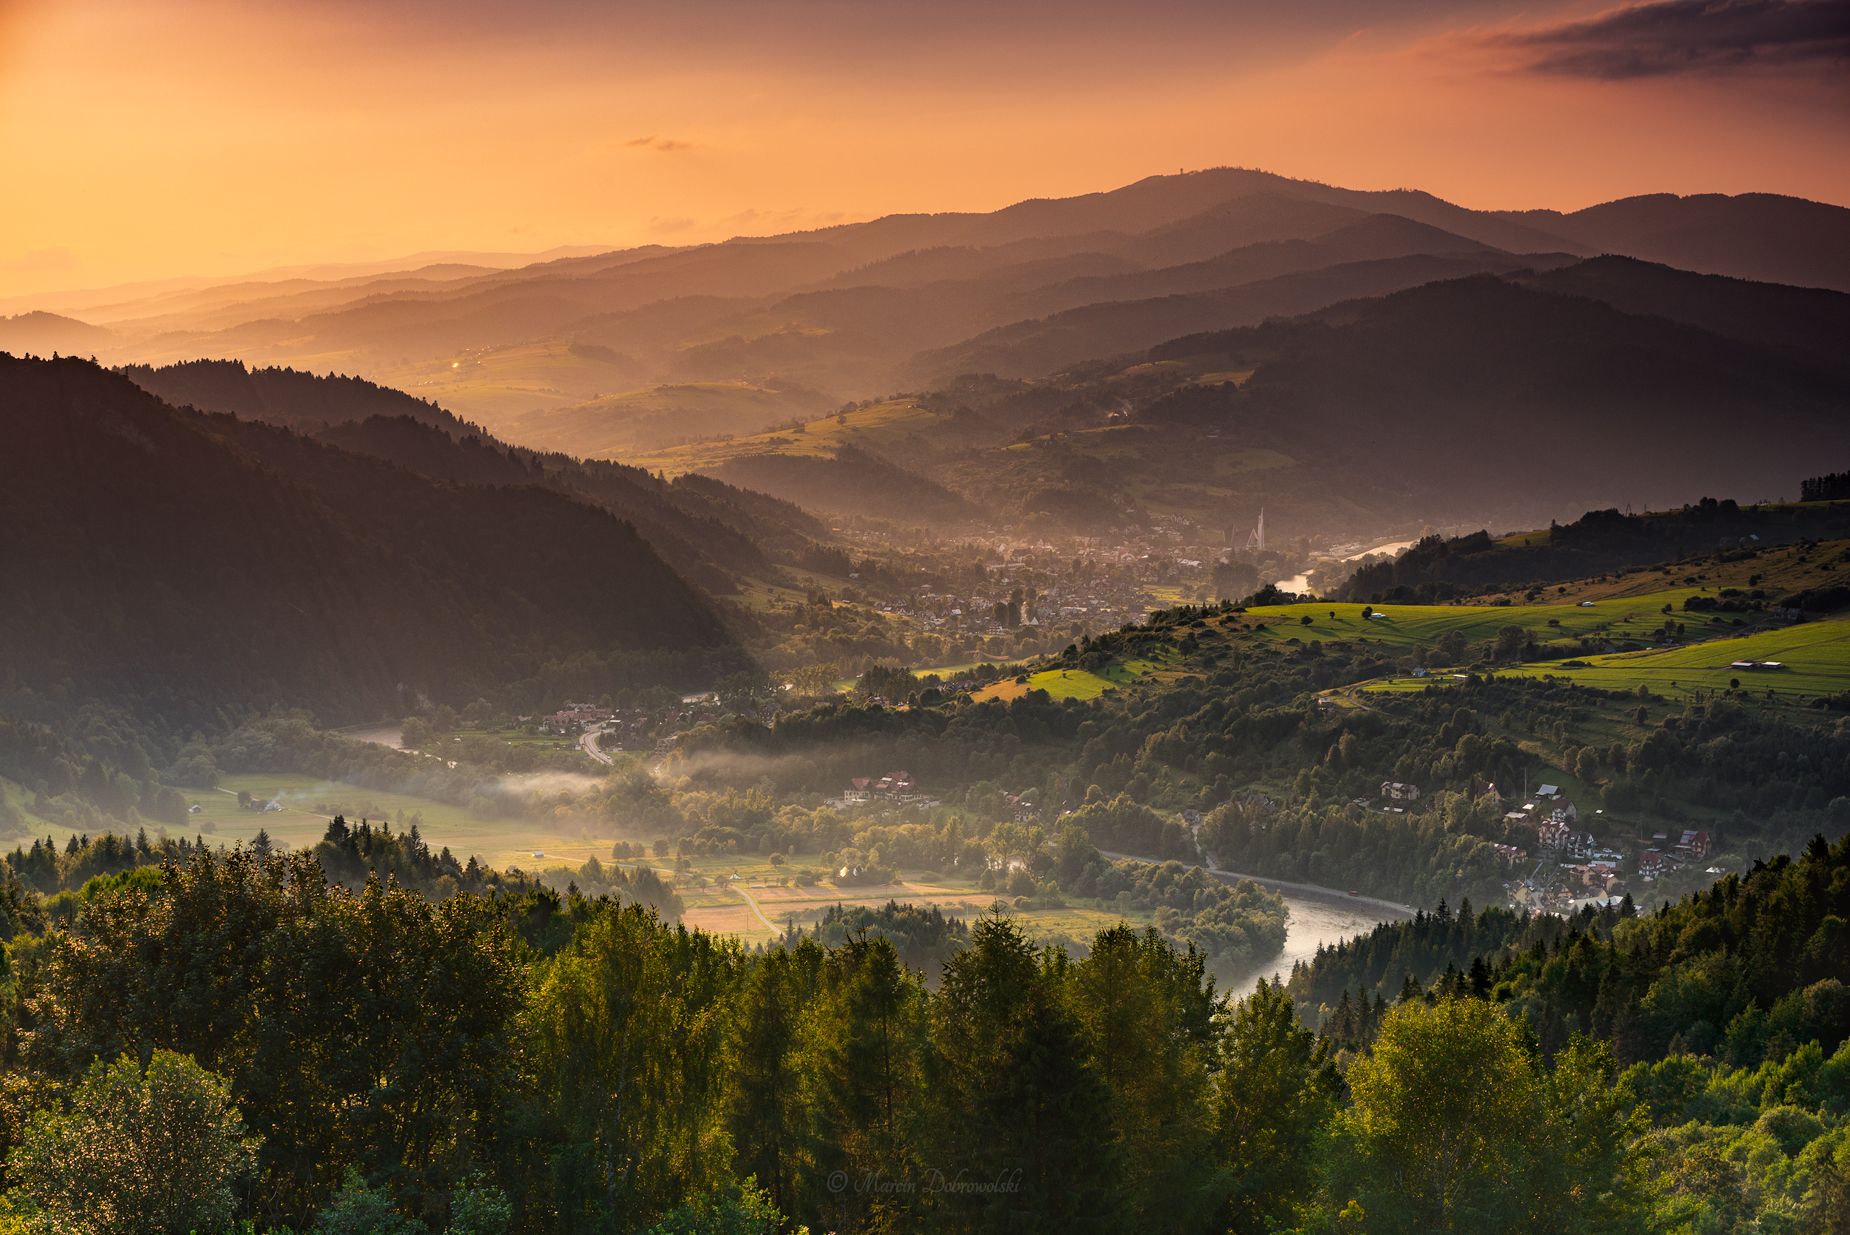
(1568, 866)
(1558, 865)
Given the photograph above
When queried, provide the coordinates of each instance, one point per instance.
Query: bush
(139, 1151)
(361, 1210)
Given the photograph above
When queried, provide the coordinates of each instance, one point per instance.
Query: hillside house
(1396, 791)
(1693, 845)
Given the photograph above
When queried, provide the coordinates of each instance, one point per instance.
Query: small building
(1396, 791)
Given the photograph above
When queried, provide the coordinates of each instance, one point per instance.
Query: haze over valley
(723, 620)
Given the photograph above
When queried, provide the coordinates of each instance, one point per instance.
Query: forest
(255, 1046)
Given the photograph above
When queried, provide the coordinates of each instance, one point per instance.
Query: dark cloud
(667, 145)
(1694, 36)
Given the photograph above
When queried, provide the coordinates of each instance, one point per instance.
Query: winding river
(1318, 916)
(1316, 920)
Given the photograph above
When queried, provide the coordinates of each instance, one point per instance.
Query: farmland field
(308, 802)
(1079, 684)
(741, 906)
(818, 438)
(1631, 617)
(1814, 659)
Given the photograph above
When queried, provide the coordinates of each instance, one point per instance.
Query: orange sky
(149, 138)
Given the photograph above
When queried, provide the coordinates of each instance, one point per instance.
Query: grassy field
(1618, 618)
(1776, 570)
(17, 802)
(1079, 683)
(941, 672)
(878, 425)
(494, 385)
(1815, 657)
(746, 891)
(308, 803)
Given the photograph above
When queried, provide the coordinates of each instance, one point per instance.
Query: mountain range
(1511, 394)
(625, 352)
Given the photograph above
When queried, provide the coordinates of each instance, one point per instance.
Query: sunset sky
(150, 138)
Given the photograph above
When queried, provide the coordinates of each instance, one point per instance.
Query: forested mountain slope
(708, 531)
(172, 561)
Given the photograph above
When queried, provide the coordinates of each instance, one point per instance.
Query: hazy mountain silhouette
(285, 397)
(861, 309)
(1760, 236)
(187, 563)
(1469, 391)
(44, 334)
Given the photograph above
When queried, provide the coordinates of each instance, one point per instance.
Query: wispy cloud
(666, 145)
(1692, 36)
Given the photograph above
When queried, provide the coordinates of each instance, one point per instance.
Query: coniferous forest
(237, 1038)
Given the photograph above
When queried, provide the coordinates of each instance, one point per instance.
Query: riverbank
(1317, 917)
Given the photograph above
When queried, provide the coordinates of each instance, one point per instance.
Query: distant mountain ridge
(1478, 387)
(862, 309)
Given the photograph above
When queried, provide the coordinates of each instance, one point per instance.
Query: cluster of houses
(1692, 845)
(1573, 867)
(631, 728)
(895, 788)
(574, 718)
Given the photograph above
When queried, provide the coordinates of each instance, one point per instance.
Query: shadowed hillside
(166, 559)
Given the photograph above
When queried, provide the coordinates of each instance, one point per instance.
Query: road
(1316, 891)
(751, 900)
(589, 743)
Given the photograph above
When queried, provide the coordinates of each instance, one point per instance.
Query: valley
(1159, 648)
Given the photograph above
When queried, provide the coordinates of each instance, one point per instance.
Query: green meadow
(1081, 684)
(308, 803)
(1621, 618)
(1814, 659)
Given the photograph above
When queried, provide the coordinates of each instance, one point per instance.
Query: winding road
(751, 900)
(589, 744)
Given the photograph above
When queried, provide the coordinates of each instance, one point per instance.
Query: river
(1318, 917)
(1393, 546)
(1299, 584)
(1314, 923)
